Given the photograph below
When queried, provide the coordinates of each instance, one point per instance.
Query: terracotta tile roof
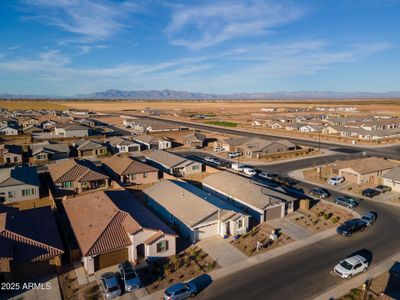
(153, 238)
(32, 234)
(126, 166)
(75, 170)
(106, 232)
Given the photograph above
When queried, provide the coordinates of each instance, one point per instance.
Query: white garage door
(206, 231)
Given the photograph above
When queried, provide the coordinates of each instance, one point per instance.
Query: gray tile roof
(19, 175)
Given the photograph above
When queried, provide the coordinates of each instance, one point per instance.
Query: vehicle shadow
(202, 282)
(364, 253)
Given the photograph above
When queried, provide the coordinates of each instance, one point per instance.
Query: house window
(28, 192)
(240, 224)
(195, 167)
(145, 175)
(162, 246)
(67, 184)
(11, 195)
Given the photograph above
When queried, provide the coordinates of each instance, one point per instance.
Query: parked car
(351, 226)
(208, 159)
(346, 201)
(369, 218)
(370, 193)
(336, 180)
(219, 149)
(320, 192)
(110, 285)
(351, 266)
(233, 154)
(249, 171)
(383, 188)
(216, 161)
(129, 276)
(180, 291)
(268, 176)
(237, 167)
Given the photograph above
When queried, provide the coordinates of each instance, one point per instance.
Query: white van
(237, 167)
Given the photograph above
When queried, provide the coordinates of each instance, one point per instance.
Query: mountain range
(185, 95)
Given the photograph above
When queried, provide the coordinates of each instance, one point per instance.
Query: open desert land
(32, 104)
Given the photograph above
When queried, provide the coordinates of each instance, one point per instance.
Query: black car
(349, 227)
(319, 192)
(370, 193)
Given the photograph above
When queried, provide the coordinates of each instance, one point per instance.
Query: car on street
(249, 171)
(370, 193)
(219, 149)
(320, 192)
(383, 188)
(237, 167)
(129, 276)
(233, 154)
(369, 218)
(351, 226)
(336, 180)
(208, 159)
(216, 161)
(110, 285)
(346, 201)
(351, 266)
(180, 291)
(269, 176)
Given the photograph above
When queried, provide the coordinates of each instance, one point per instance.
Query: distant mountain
(184, 95)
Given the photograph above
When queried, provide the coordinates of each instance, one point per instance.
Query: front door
(140, 255)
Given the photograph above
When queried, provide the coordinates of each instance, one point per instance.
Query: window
(145, 175)
(11, 195)
(67, 184)
(162, 246)
(240, 223)
(28, 192)
(195, 167)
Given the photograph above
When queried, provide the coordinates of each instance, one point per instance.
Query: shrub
(326, 216)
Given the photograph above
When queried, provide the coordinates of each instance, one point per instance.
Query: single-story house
(194, 213)
(123, 229)
(194, 140)
(77, 175)
(45, 151)
(89, 148)
(261, 202)
(143, 126)
(19, 183)
(311, 128)
(255, 148)
(152, 142)
(32, 129)
(8, 130)
(364, 170)
(231, 144)
(10, 154)
(30, 244)
(129, 171)
(71, 130)
(25, 122)
(392, 179)
(122, 145)
(172, 163)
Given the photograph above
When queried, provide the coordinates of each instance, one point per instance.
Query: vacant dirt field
(17, 104)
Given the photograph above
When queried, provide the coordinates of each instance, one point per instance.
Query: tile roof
(49, 147)
(366, 165)
(393, 174)
(107, 232)
(83, 144)
(167, 159)
(126, 165)
(75, 170)
(32, 234)
(19, 175)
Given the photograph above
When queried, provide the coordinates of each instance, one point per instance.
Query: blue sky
(67, 47)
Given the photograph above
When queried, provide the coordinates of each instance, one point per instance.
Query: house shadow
(393, 285)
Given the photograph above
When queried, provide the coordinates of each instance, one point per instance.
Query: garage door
(350, 177)
(110, 259)
(206, 231)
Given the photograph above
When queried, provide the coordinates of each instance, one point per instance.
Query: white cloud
(90, 20)
(12, 48)
(216, 22)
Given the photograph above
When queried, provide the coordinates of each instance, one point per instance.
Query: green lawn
(222, 123)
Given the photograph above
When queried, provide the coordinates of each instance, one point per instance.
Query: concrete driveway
(293, 230)
(221, 250)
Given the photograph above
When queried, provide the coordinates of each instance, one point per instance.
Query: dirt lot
(31, 104)
(71, 289)
(322, 216)
(247, 243)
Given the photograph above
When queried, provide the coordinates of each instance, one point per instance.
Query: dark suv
(370, 193)
(349, 227)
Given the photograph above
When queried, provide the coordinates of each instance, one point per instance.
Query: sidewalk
(343, 288)
(260, 258)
